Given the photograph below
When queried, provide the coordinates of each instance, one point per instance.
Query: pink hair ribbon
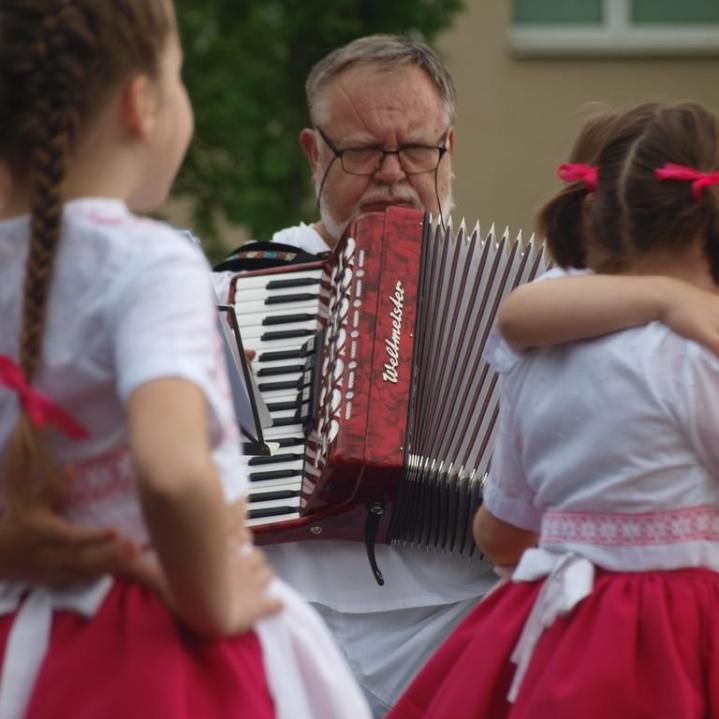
(577, 172)
(41, 409)
(682, 173)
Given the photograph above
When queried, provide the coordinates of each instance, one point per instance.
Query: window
(615, 27)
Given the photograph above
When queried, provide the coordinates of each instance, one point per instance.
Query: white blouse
(131, 301)
(609, 447)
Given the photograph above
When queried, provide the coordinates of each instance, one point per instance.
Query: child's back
(132, 302)
(615, 439)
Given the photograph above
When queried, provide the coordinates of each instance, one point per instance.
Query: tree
(246, 63)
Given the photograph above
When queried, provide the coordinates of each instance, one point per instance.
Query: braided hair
(59, 62)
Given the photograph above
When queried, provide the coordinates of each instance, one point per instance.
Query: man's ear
(451, 138)
(138, 107)
(308, 140)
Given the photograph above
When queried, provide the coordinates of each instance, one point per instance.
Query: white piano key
(290, 377)
(257, 305)
(248, 333)
(271, 520)
(250, 282)
(293, 430)
(295, 465)
(289, 396)
(276, 485)
(287, 413)
(277, 320)
(272, 503)
(258, 346)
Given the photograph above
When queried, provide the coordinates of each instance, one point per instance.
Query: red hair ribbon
(682, 173)
(577, 172)
(41, 409)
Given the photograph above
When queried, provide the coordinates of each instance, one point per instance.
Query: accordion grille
(454, 397)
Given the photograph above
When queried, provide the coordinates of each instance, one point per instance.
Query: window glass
(558, 12)
(666, 12)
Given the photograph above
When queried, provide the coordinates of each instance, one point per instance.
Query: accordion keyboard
(278, 317)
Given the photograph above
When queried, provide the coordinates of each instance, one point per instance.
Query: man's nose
(390, 170)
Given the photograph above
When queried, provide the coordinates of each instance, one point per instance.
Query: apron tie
(569, 579)
(29, 636)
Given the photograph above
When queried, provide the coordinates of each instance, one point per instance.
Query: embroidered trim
(671, 527)
(100, 478)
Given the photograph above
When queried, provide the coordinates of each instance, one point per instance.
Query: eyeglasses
(413, 159)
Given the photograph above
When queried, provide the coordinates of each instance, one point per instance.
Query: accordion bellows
(399, 418)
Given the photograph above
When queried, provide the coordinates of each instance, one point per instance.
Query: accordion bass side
(388, 407)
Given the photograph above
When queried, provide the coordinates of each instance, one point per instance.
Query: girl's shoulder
(124, 240)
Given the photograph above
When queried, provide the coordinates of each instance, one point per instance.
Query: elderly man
(382, 110)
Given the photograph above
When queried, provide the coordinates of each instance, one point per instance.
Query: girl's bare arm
(214, 587)
(573, 308)
(501, 543)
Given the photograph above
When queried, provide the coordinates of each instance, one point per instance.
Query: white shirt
(303, 236)
(610, 447)
(130, 301)
(336, 573)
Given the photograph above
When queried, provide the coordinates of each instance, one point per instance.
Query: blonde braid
(50, 71)
(55, 80)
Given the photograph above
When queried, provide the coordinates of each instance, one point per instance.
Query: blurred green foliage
(245, 66)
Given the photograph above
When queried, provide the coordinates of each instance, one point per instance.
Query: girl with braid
(110, 363)
(604, 488)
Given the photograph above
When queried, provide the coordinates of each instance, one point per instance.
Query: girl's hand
(41, 547)
(37, 545)
(692, 313)
(251, 575)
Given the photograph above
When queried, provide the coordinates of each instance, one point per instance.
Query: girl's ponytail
(561, 222)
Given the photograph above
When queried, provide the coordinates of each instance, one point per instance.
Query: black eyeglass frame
(339, 154)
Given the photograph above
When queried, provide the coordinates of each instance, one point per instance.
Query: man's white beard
(334, 227)
(402, 194)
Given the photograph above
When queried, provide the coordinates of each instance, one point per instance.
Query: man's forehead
(365, 103)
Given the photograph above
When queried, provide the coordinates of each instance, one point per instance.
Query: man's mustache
(400, 195)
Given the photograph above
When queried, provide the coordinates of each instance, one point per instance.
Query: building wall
(517, 118)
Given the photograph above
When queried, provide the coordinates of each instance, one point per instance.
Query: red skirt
(642, 645)
(133, 660)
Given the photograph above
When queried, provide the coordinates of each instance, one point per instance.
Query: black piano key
(282, 355)
(271, 512)
(286, 299)
(251, 449)
(287, 319)
(272, 496)
(283, 406)
(284, 421)
(297, 282)
(285, 335)
(276, 386)
(285, 369)
(275, 474)
(273, 459)
(289, 441)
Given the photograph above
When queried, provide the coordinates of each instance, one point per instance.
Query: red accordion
(376, 377)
